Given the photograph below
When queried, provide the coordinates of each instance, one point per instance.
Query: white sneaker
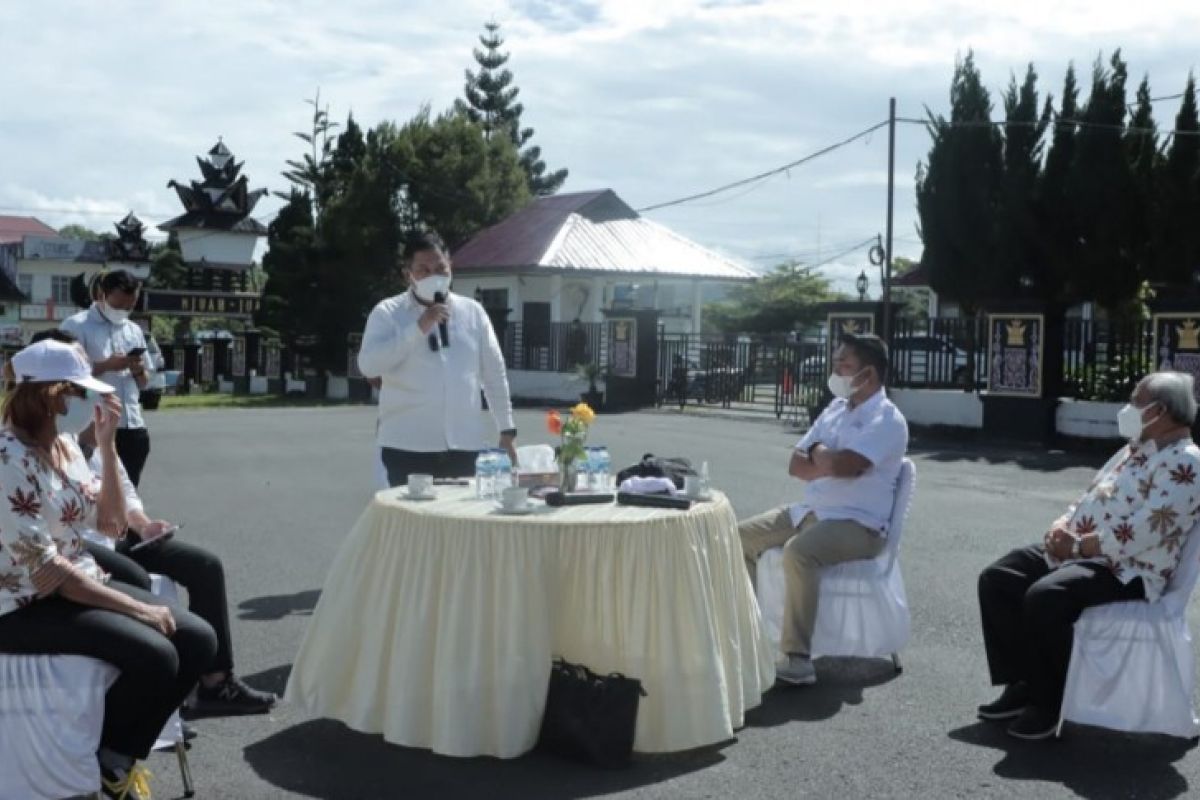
(796, 670)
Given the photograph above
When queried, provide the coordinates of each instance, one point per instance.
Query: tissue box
(532, 480)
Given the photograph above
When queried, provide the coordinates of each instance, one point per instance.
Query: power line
(981, 123)
(768, 174)
(804, 253)
(843, 254)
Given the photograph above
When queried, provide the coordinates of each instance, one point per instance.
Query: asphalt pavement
(274, 491)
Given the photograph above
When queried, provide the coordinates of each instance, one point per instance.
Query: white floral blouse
(42, 516)
(1143, 503)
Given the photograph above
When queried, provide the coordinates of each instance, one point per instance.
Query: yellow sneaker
(131, 785)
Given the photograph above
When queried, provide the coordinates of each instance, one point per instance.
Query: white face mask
(1129, 421)
(79, 414)
(843, 385)
(114, 315)
(431, 285)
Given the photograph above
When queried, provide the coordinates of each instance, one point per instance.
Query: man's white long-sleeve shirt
(430, 400)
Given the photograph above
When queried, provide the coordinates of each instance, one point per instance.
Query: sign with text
(201, 304)
(622, 349)
(60, 249)
(239, 357)
(271, 359)
(1015, 354)
(208, 352)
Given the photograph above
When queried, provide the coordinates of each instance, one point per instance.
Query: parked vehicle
(925, 359)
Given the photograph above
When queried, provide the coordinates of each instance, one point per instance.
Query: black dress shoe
(1034, 724)
(1011, 702)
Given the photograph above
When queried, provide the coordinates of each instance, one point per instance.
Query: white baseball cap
(48, 361)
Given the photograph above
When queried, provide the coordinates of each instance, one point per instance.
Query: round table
(439, 621)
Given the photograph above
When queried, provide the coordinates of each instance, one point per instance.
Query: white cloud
(106, 103)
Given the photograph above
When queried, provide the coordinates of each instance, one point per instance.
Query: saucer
(410, 496)
(515, 512)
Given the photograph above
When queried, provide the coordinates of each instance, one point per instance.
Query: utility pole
(891, 190)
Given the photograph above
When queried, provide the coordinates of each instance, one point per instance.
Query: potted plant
(590, 371)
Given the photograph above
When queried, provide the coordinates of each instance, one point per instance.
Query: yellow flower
(583, 412)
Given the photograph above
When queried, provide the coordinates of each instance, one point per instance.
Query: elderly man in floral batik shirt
(1120, 541)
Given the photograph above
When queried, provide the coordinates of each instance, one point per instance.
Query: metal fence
(1101, 361)
(553, 346)
(1104, 360)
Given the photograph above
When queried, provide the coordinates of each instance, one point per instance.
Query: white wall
(587, 296)
(1079, 418)
(563, 386)
(217, 248)
(939, 407)
(1087, 419)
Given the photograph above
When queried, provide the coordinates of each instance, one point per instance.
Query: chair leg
(896, 663)
(185, 769)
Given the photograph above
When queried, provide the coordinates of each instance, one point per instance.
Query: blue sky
(103, 104)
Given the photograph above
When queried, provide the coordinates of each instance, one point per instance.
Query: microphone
(443, 333)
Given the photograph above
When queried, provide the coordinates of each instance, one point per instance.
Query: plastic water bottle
(704, 478)
(504, 472)
(485, 475)
(602, 468)
(587, 468)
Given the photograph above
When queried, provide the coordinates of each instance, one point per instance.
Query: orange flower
(554, 423)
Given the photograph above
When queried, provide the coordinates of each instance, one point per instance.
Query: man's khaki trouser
(806, 549)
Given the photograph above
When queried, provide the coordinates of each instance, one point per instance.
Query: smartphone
(136, 352)
(162, 537)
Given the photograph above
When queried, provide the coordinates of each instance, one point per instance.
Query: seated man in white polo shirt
(850, 460)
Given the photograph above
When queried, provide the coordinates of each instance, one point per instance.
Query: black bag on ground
(590, 717)
(651, 466)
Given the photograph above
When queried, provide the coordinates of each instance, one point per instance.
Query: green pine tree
(1017, 234)
(958, 194)
(1102, 194)
(1141, 148)
(1056, 225)
(491, 102)
(1177, 228)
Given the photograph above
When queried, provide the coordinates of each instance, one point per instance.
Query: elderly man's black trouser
(1029, 611)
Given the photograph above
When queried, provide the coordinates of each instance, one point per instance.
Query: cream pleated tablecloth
(439, 621)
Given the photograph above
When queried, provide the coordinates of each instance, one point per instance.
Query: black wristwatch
(509, 432)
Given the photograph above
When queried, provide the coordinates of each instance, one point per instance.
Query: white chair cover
(51, 716)
(864, 609)
(1132, 664)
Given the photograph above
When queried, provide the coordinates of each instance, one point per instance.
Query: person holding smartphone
(117, 349)
(147, 545)
(54, 598)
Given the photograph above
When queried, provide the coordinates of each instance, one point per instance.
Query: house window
(60, 289)
(494, 298)
(25, 284)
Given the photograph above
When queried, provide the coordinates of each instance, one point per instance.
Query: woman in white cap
(53, 597)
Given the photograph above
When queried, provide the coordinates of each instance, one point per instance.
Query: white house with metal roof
(573, 256)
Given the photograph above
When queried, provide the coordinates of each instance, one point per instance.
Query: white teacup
(420, 485)
(693, 485)
(514, 498)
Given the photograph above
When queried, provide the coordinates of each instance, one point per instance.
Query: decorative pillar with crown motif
(1177, 344)
(1015, 354)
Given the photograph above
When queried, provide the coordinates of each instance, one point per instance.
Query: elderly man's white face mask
(1129, 420)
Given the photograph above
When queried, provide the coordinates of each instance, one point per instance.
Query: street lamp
(861, 285)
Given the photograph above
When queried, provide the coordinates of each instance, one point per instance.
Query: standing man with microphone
(434, 351)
